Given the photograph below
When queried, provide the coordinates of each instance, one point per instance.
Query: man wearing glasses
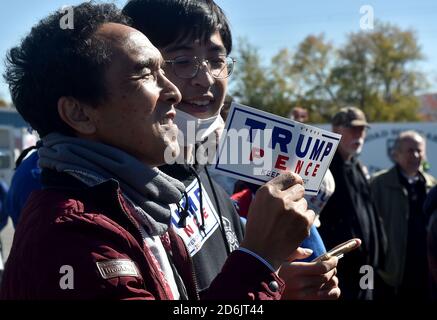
(195, 40)
(197, 63)
(101, 226)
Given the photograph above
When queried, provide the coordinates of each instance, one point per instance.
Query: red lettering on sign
(189, 230)
(299, 166)
(309, 165)
(280, 162)
(256, 153)
(315, 169)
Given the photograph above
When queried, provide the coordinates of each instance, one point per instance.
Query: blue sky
(268, 24)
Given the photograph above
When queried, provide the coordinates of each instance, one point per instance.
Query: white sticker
(193, 237)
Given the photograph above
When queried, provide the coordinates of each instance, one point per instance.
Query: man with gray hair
(399, 194)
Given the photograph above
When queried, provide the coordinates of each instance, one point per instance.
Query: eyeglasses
(187, 67)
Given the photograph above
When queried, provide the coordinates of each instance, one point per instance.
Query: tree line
(375, 70)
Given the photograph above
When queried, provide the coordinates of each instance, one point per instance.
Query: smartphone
(340, 250)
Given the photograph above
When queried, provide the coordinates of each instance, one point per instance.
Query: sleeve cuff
(253, 254)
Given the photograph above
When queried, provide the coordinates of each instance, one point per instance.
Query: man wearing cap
(349, 212)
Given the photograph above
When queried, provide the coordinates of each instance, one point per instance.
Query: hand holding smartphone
(340, 250)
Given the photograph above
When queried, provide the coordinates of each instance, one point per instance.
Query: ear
(76, 115)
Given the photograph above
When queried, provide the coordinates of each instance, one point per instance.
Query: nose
(203, 77)
(169, 93)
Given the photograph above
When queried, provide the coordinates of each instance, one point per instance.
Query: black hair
(172, 21)
(52, 62)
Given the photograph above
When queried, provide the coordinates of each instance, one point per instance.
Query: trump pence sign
(257, 146)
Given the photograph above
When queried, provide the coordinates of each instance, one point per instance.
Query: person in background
(26, 178)
(299, 114)
(430, 210)
(349, 212)
(399, 195)
(3, 194)
(3, 219)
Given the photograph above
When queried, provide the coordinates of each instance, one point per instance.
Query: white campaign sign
(257, 146)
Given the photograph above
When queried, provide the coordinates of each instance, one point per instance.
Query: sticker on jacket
(117, 268)
(190, 229)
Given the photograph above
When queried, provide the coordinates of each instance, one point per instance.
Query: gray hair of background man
(405, 135)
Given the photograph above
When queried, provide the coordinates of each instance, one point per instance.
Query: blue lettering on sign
(192, 208)
(197, 194)
(317, 150)
(281, 136)
(299, 152)
(327, 150)
(173, 219)
(253, 124)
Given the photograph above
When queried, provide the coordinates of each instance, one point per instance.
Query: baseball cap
(349, 117)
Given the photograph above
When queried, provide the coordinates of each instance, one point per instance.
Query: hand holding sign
(278, 219)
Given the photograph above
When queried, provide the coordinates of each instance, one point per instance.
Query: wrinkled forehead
(138, 43)
(126, 39)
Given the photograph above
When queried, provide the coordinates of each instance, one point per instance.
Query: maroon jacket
(69, 224)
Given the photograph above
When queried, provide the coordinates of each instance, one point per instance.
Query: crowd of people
(99, 196)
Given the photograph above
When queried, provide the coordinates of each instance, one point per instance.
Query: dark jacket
(223, 232)
(27, 177)
(69, 224)
(391, 200)
(349, 213)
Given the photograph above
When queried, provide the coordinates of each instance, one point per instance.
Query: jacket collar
(104, 197)
(392, 178)
(181, 172)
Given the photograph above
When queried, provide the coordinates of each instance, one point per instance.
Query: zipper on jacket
(193, 275)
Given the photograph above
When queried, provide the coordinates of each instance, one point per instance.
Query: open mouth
(196, 106)
(166, 121)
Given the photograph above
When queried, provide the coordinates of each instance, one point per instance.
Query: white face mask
(195, 129)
